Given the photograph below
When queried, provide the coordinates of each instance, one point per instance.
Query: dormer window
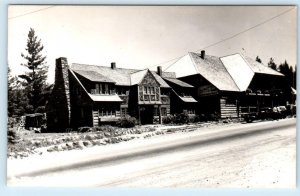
(103, 89)
(106, 89)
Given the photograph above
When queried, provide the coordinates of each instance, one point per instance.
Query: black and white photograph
(149, 96)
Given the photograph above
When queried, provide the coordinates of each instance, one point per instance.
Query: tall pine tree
(17, 101)
(258, 59)
(288, 71)
(272, 64)
(34, 80)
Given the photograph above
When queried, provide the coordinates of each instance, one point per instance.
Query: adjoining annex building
(231, 85)
(91, 95)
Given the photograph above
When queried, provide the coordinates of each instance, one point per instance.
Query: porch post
(238, 108)
(139, 115)
(159, 112)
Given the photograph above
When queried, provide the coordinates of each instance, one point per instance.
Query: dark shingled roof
(261, 68)
(213, 70)
(120, 76)
(160, 80)
(94, 76)
(178, 82)
(168, 75)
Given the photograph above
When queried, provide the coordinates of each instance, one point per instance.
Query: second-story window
(106, 89)
(149, 93)
(103, 89)
(152, 91)
(97, 89)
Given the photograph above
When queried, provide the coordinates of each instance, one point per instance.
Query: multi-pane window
(103, 111)
(97, 89)
(149, 93)
(152, 91)
(155, 112)
(106, 89)
(189, 111)
(122, 91)
(164, 111)
(103, 89)
(123, 112)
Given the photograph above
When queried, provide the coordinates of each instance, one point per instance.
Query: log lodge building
(90, 95)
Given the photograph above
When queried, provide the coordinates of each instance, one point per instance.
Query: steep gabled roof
(119, 76)
(213, 70)
(102, 98)
(137, 77)
(168, 74)
(229, 73)
(261, 68)
(93, 76)
(239, 70)
(161, 81)
(178, 82)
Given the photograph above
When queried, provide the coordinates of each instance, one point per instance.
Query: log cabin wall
(229, 107)
(105, 112)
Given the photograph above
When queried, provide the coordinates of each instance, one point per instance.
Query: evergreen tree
(34, 80)
(295, 77)
(288, 71)
(272, 64)
(258, 59)
(17, 100)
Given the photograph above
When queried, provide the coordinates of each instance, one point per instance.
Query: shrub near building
(182, 118)
(126, 122)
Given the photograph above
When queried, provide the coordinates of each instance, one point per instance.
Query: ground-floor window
(164, 111)
(155, 112)
(189, 111)
(105, 111)
(124, 112)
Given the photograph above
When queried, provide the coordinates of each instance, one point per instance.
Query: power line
(31, 12)
(228, 38)
(244, 31)
(166, 61)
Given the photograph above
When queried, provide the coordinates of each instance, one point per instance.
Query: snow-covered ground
(262, 159)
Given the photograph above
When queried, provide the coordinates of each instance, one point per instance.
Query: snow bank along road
(259, 154)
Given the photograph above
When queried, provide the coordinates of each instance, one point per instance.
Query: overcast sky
(140, 37)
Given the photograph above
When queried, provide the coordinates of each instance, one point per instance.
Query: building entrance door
(146, 114)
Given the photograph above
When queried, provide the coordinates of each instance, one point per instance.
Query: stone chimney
(159, 70)
(59, 106)
(113, 65)
(202, 54)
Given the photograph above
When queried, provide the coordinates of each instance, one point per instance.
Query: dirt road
(265, 157)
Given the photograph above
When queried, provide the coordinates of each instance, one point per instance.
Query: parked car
(266, 113)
